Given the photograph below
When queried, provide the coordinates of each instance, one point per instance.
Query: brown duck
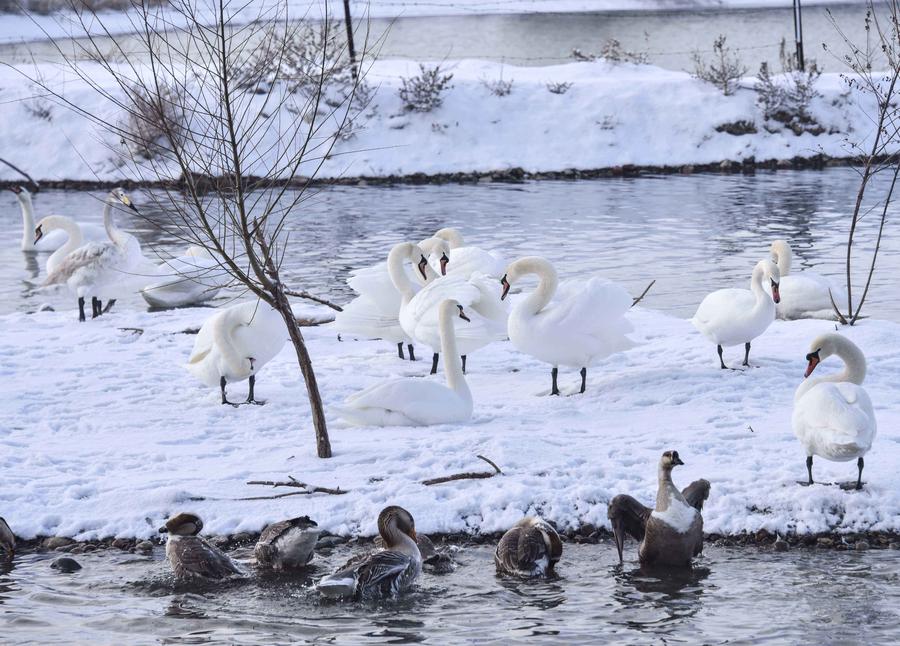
(191, 557)
(7, 540)
(287, 544)
(672, 532)
(529, 548)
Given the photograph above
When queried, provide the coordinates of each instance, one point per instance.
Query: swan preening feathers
(804, 295)
(833, 416)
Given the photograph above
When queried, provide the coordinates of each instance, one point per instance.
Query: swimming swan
(575, 326)
(833, 416)
(732, 316)
(415, 401)
(193, 278)
(383, 573)
(51, 240)
(101, 270)
(804, 295)
(672, 532)
(235, 343)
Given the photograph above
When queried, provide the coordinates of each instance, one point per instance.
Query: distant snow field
(104, 433)
(611, 115)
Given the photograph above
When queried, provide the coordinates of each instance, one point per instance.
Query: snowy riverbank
(104, 433)
(612, 115)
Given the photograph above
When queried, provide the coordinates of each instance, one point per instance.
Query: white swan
(833, 416)
(466, 260)
(419, 318)
(374, 312)
(732, 316)
(102, 270)
(575, 325)
(51, 240)
(193, 278)
(54, 224)
(234, 343)
(415, 401)
(804, 295)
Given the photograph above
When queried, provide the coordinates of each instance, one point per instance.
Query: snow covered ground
(612, 115)
(104, 433)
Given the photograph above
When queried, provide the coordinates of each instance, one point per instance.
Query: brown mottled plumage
(672, 532)
(287, 544)
(191, 557)
(7, 539)
(530, 548)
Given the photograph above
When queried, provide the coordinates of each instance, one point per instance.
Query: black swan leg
(747, 354)
(400, 350)
(412, 351)
(434, 362)
(809, 468)
(96, 308)
(721, 360)
(250, 398)
(583, 380)
(554, 374)
(225, 399)
(81, 309)
(859, 464)
(464, 363)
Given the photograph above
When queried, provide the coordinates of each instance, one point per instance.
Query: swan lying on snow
(375, 311)
(575, 326)
(101, 270)
(415, 401)
(833, 416)
(804, 295)
(732, 316)
(234, 343)
(52, 239)
(385, 573)
(193, 278)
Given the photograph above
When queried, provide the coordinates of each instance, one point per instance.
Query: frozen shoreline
(108, 434)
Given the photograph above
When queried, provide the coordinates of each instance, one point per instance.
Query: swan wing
(835, 420)
(466, 261)
(807, 293)
(92, 254)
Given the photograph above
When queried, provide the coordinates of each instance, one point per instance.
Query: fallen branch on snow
(643, 293)
(471, 475)
(293, 482)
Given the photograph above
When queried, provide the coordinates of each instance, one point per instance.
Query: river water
(733, 595)
(692, 234)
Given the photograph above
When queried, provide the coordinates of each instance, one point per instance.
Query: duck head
(183, 524)
(395, 519)
(669, 460)
(303, 522)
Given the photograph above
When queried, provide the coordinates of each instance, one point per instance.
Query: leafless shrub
(425, 91)
(787, 98)
(613, 52)
(559, 88)
(157, 115)
(498, 87)
(876, 148)
(724, 71)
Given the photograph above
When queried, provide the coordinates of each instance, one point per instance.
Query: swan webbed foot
(412, 351)
(81, 309)
(583, 380)
(746, 355)
(400, 350)
(721, 360)
(434, 363)
(554, 374)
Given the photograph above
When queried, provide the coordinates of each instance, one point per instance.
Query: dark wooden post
(350, 48)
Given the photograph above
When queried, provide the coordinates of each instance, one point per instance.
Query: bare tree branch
(468, 475)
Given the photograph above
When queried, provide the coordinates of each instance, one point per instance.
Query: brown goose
(384, 573)
(531, 547)
(7, 539)
(191, 557)
(670, 534)
(287, 544)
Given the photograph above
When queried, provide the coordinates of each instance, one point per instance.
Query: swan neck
(783, 255)
(452, 362)
(540, 297)
(223, 335)
(27, 221)
(74, 238)
(115, 234)
(399, 277)
(763, 297)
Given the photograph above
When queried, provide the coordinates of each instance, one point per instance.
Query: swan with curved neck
(101, 270)
(730, 317)
(234, 344)
(386, 572)
(74, 240)
(414, 401)
(51, 238)
(573, 325)
(833, 415)
(805, 294)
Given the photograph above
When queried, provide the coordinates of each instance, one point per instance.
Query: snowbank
(104, 433)
(612, 115)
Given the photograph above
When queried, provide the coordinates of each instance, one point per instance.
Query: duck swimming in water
(670, 534)
(529, 548)
(191, 557)
(384, 573)
(287, 544)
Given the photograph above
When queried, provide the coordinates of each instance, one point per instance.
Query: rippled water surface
(692, 234)
(734, 596)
